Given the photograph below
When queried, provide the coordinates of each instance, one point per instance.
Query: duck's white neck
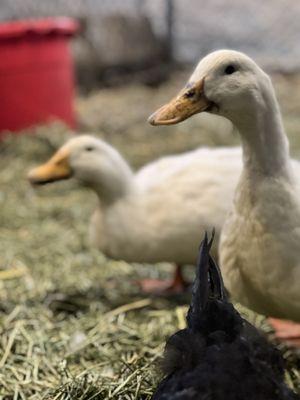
(111, 181)
(265, 145)
(114, 186)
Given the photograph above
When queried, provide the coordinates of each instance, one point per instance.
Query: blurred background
(127, 50)
(104, 72)
(140, 33)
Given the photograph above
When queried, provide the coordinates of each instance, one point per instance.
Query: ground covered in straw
(72, 323)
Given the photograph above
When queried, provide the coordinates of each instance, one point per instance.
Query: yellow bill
(57, 168)
(191, 100)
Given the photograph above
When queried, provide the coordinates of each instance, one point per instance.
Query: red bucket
(36, 73)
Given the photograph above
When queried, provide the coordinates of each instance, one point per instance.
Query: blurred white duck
(260, 242)
(157, 214)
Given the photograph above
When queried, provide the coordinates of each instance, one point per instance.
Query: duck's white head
(90, 160)
(226, 83)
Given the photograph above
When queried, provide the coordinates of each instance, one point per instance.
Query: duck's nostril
(190, 94)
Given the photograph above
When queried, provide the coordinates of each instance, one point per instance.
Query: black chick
(219, 356)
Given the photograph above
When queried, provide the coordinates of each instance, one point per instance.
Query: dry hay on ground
(72, 324)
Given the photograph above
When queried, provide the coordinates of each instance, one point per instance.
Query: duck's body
(260, 251)
(170, 201)
(219, 355)
(259, 248)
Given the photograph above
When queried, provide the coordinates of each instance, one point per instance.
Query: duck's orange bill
(57, 168)
(191, 100)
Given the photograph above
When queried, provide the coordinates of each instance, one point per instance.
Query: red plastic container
(36, 73)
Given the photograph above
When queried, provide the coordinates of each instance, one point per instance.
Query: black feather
(200, 287)
(219, 356)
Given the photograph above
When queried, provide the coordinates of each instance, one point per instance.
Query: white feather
(260, 242)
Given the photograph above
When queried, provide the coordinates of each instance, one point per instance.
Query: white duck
(157, 214)
(260, 242)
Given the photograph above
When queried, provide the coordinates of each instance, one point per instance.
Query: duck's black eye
(230, 69)
(89, 148)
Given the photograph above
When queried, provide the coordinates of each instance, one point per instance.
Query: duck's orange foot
(286, 331)
(161, 287)
(176, 285)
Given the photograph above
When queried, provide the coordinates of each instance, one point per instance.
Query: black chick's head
(210, 314)
(211, 319)
(219, 355)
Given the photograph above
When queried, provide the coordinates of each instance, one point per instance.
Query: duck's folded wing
(200, 162)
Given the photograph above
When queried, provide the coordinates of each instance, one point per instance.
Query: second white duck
(156, 214)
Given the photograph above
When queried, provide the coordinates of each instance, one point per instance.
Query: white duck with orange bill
(156, 214)
(259, 246)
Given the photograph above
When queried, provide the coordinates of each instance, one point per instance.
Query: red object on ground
(36, 72)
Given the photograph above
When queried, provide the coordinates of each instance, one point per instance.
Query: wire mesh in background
(267, 30)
